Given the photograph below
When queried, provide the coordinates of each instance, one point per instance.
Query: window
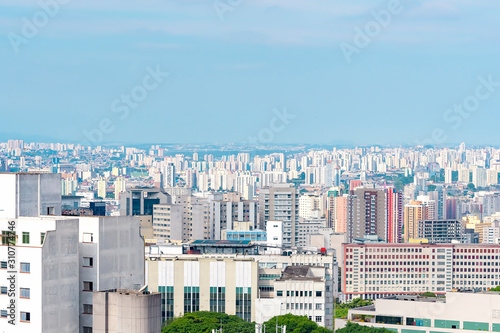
(26, 237)
(25, 316)
(318, 293)
(87, 329)
(87, 308)
(3, 314)
(42, 237)
(25, 292)
(88, 286)
(25, 267)
(7, 237)
(3, 291)
(88, 262)
(88, 237)
(318, 319)
(51, 211)
(279, 293)
(3, 265)
(318, 306)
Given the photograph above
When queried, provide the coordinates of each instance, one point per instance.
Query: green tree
(497, 288)
(295, 324)
(471, 187)
(205, 322)
(428, 294)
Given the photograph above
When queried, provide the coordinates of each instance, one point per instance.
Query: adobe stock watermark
(277, 124)
(122, 105)
(364, 36)
(455, 115)
(32, 27)
(223, 6)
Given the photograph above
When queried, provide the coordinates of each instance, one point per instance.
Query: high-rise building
(120, 186)
(369, 214)
(101, 188)
(441, 231)
(394, 210)
(280, 202)
(415, 212)
(223, 213)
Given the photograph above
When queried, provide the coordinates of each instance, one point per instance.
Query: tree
(471, 187)
(355, 328)
(205, 322)
(497, 288)
(295, 324)
(428, 294)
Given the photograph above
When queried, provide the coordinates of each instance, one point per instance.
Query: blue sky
(227, 76)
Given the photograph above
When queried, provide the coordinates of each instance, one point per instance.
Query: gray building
(125, 310)
(441, 231)
(140, 201)
(280, 202)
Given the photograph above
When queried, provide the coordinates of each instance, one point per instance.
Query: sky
(251, 71)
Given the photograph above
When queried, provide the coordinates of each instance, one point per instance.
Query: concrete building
(186, 219)
(126, 310)
(311, 206)
(369, 214)
(224, 213)
(233, 283)
(381, 270)
(394, 211)
(415, 212)
(306, 227)
(441, 231)
(140, 201)
(47, 287)
(30, 194)
(279, 202)
(458, 312)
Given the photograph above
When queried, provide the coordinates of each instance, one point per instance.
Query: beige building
(186, 219)
(414, 212)
(125, 310)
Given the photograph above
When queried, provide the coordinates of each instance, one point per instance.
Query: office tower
(394, 210)
(369, 214)
(414, 212)
(120, 186)
(279, 202)
(101, 188)
(140, 201)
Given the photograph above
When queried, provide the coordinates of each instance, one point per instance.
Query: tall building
(120, 186)
(280, 202)
(169, 175)
(186, 219)
(101, 188)
(310, 206)
(394, 210)
(414, 212)
(224, 212)
(369, 214)
(140, 201)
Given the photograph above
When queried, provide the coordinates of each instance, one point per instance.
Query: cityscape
(249, 166)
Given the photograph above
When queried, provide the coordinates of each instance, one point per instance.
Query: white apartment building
(47, 280)
(62, 260)
(381, 270)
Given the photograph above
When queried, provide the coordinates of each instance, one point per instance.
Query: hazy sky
(234, 64)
